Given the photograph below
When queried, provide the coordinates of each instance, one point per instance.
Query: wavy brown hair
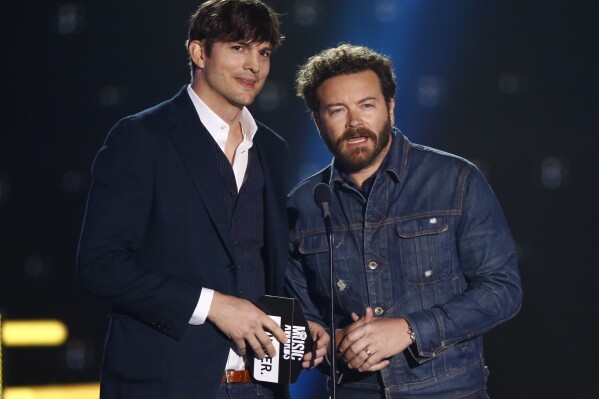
(342, 60)
(250, 21)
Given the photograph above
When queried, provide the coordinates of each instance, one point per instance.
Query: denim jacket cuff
(428, 338)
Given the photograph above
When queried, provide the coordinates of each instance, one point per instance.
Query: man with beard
(424, 262)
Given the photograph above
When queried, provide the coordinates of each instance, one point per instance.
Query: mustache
(357, 132)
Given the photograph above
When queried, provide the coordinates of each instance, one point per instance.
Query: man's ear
(391, 111)
(316, 119)
(197, 52)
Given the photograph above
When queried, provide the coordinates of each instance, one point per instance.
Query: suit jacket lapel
(192, 140)
(274, 212)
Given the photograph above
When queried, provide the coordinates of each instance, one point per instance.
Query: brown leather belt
(237, 376)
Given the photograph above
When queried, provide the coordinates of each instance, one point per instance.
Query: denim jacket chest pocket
(424, 244)
(315, 251)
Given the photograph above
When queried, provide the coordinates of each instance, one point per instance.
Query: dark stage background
(510, 85)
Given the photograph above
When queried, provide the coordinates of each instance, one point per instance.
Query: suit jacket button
(231, 267)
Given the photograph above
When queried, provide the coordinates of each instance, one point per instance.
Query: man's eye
(265, 54)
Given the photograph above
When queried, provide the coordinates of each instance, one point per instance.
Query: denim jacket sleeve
(487, 259)
(296, 287)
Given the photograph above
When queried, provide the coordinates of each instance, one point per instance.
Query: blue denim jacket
(429, 244)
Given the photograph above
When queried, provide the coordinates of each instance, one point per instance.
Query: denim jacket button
(378, 311)
(373, 265)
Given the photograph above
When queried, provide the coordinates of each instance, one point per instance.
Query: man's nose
(252, 62)
(354, 120)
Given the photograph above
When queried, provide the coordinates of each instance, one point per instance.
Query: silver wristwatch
(411, 334)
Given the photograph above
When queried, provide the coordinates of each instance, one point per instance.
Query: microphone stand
(322, 197)
(329, 232)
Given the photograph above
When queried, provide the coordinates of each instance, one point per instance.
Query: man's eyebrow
(334, 105)
(366, 99)
(268, 47)
(341, 104)
(250, 42)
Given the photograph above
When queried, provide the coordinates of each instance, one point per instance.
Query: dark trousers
(243, 391)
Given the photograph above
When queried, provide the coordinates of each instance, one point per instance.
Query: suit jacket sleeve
(117, 215)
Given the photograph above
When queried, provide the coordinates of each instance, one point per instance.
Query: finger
(320, 352)
(317, 361)
(354, 316)
(257, 347)
(310, 365)
(310, 356)
(353, 336)
(266, 344)
(323, 340)
(270, 325)
(355, 355)
(369, 314)
(357, 361)
(362, 358)
(376, 367)
(314, 358)
(309, 360)
(240, 346)
(315, 330)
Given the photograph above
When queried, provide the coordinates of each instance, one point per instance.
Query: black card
(286, 366)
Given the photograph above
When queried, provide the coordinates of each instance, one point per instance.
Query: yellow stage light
(79, 391)
(34, 333)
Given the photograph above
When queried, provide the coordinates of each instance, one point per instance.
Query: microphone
(322, 197)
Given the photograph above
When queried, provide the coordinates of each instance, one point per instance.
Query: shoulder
(148, 122)
(426, 160)
(422, 152)
(305, 188)
(447, 169)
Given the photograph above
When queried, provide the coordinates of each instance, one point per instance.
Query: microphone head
(322, 194)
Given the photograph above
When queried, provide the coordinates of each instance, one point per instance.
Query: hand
(368, 342)
(244, 323)
(321, 342)
(358, 321)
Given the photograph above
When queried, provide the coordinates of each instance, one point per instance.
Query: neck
(228, 112)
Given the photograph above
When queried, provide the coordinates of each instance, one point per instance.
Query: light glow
(34, 333)
(78, 391)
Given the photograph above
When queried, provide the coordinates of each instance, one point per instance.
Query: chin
(242, 102)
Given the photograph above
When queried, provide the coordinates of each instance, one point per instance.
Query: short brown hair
(342, 60)
(250, 21)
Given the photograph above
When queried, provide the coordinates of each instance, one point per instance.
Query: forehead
(349, 88)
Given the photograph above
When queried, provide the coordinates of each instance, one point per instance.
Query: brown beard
(353, 161)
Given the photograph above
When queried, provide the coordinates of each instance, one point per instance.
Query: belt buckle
(230, 376)
(235, 376)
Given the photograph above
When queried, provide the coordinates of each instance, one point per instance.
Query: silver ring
(368, 353)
